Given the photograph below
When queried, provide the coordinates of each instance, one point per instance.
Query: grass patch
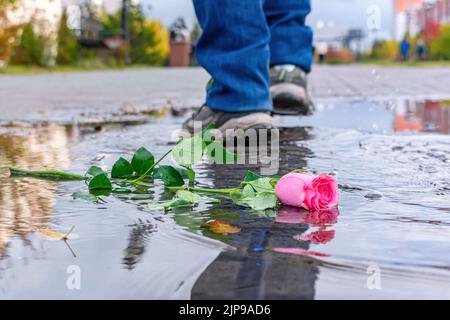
(422, 64)
(29, 69)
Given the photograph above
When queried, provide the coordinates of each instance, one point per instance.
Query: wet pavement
(74, 96)
(389, 238)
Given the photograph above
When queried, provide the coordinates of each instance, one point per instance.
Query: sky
(337, 14)
(328, 16)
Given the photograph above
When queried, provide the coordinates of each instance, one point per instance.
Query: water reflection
(429, 116)
(139, 236)
(395, 218)
(28, 203)
(259, 268)
(392, 116)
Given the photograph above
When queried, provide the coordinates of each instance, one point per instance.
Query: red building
(419, 16)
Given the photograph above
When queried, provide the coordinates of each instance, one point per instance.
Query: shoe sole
(290, 99)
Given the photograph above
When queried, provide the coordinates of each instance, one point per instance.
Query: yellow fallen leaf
(55, 235)
(221, 227)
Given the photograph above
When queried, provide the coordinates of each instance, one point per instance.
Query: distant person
(258, 53)
(421, 50)
(322, 51)
(405, 46)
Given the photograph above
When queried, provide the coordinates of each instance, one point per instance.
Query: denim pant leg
(234, 49)
(291, 39)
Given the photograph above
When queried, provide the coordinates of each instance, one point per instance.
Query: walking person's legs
(291, 54)
(234, 49)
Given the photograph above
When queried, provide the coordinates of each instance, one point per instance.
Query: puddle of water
(394, 217)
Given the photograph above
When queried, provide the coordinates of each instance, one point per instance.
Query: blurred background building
(116, 32)
(416, 16)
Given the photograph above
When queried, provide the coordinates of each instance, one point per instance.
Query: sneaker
(229, 120)
(288, 87)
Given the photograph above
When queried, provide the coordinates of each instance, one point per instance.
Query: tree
(68, 47)
(8, 31)
(151, 44)
(31, 49)
(149, 39)
(440, 48)
(385, 50)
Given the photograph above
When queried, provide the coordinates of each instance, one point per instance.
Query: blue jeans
(241, 39)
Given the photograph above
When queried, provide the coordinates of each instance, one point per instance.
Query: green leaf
(172, 204)
(170, 176)
(248, 192)
(191, 176)
(219, 154)
(207, 135)
(101, 182)
(183, 199)
(274, 180)
(122, 169)
(268, 213)
(189, 151)
(261, 202)
(142, 161)
(261, 185)
(100, 192)
(251, 176)
(94, 171)
(189, 196)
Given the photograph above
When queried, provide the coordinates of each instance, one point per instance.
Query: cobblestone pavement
(61, 95)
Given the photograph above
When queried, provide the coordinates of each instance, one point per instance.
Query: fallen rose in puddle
(317, 237)
(318, 218)
(300, 252)
(258, 193)
(308, 191)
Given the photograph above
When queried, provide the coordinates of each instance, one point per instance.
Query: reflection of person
(258, 53)
(254, 270)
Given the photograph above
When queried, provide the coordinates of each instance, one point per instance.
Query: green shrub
(385, 50)
(31, 49)
(68, 48)
(440, 48)
(149, 39)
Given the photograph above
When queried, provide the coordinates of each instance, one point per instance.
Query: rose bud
(307, 191)
(291, 189)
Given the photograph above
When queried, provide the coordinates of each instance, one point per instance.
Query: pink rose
(307, 191)
(291, 189)
(322, 193)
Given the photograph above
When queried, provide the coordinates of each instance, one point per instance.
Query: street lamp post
(124, 29)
